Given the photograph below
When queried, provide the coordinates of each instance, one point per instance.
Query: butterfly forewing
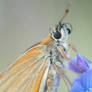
(26, 73)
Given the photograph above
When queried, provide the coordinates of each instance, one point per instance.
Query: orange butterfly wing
(26, 73)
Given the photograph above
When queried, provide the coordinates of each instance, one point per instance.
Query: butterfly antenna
(65, 13)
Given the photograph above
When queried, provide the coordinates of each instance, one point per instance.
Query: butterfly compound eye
(69, 31)
(57, 35)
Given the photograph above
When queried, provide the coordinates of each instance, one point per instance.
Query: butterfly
(41, 66)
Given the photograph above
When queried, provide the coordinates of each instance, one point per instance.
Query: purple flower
(82, 64)
(84, 83)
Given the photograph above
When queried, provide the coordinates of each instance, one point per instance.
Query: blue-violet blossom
(84, 83)
(81, 62)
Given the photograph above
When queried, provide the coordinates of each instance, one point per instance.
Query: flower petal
(82, 62)
(71, 66)
(86, 79)
(77, 87)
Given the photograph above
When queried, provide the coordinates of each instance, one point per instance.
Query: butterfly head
(61, 32)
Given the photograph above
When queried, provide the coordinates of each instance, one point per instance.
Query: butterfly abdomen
(53, 80)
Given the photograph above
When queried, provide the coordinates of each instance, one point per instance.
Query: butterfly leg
(67, 58)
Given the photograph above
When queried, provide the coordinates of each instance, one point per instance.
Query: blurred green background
(25, 22)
